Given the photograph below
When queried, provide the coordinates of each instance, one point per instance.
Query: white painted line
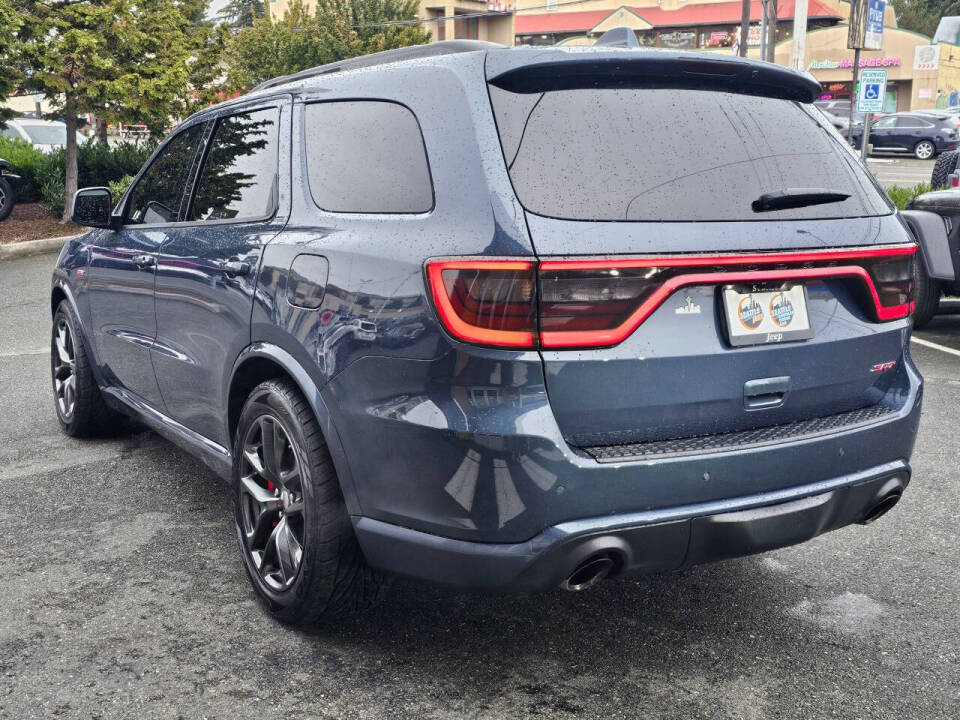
(935, 346)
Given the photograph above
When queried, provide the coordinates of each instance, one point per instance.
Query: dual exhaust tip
(598, 567)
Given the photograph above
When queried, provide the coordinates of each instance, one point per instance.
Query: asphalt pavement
(123, 597)
(902, 170)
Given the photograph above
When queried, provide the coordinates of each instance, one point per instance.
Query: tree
(123, 60)
(923, 16)
(9, 22)
(339, 29)
(242, 13)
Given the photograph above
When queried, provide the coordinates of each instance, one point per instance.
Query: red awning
(688, 15)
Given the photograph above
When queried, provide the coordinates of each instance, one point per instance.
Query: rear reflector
(598, 302)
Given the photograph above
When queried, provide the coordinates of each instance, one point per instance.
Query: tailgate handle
(765, 393)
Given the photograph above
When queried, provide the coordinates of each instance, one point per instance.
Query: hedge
(97, 164)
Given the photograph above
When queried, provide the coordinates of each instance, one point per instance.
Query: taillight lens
(892, 285)
(594, 299)
(598, 302)
(487, 302)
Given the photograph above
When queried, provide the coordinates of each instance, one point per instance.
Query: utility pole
(763, 29)
(744, 27)
(799, 34)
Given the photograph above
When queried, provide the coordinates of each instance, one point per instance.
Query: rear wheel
(946, 163)
(80, 407)
(924, 150)
(6, 198)
(298, 545)
(926, 294)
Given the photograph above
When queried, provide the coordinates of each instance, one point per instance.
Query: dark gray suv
(503, 318)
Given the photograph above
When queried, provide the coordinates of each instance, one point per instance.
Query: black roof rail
(413, 52)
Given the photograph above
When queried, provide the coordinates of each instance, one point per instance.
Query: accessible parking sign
(873, 89)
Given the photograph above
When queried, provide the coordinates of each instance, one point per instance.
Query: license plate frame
(753, 318)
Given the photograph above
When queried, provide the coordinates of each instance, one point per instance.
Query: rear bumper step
(742, 439)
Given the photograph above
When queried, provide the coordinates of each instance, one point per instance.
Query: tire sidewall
(266, 400)
(6, 206)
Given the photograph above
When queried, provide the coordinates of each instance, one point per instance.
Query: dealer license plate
(767, 316)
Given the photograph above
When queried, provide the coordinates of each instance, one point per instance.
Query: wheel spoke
(62, 351)
(252, 456)
(260, 494)
(288, 550)
(271, 435)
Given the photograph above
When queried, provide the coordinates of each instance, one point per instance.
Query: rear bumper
(643, 542)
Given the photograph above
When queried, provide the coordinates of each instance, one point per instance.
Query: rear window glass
(672, 155)
(367, 156)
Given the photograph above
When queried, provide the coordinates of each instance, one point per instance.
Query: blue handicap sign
(872, 91)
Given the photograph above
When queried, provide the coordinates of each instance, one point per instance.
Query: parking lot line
(935, 346)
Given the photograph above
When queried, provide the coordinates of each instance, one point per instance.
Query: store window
(718, 36)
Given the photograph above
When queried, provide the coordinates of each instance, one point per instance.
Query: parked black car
(924, 135)
(503, 318)
(9, 182)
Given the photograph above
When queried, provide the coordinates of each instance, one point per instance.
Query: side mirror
(92, 207)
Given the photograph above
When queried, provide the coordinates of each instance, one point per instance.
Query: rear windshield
(673, 155)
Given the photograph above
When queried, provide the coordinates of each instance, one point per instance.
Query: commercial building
(918, 71)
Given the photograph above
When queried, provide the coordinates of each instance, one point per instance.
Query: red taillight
(598, 302)
(488, 302)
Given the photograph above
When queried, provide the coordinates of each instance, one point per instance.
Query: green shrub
(901, 196)
(27, 160)
(119, 187)
(97, 165)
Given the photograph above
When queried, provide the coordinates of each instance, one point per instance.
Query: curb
(9, 251)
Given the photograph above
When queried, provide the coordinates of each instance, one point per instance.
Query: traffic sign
(873, 89)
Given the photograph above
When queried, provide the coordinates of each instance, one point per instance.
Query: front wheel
(295, 535)
(80, 407)
(924, 150)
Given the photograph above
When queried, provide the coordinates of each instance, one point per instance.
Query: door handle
(765, 393)
(235, 268)
(144, 261)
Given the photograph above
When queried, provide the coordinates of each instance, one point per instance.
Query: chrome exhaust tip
(588, 573)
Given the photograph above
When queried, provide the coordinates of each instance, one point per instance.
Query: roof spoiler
(558, 69)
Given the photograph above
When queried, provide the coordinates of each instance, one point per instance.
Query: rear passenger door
(207, 267)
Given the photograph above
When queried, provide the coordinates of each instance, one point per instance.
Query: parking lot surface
(902, 170)
(124, 596)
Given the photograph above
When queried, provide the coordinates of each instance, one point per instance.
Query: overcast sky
(215, 7)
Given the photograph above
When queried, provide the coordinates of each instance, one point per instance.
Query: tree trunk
(744, 27)
(771, 30)
(102, 131)
(70, 160)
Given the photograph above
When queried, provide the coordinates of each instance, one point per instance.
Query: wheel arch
(264, 361)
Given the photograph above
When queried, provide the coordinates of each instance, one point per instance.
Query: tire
(924, 150)
(946, 163)
(81, 410)
(6, 198)
(292, 500)
(926, 294)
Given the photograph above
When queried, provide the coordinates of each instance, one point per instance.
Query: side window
(367, 156)
(239, 175)
(157, 195)
(887, 122)
(9, 132)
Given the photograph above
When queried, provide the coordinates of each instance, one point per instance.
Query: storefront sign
(873, 89)
(873, 37)
(848, 63)
(677, 39)
(925, 93)
(926, 57)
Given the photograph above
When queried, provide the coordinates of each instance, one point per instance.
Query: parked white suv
(45, 135)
